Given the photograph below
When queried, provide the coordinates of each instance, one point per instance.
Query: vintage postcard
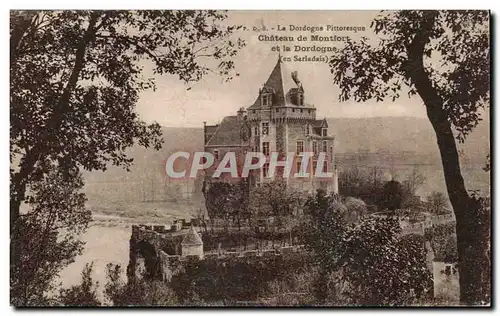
(250, 158)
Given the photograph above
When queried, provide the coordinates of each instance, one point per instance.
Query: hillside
(402, 141)
(397, 135)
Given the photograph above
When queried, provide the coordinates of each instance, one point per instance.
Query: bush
(84, 294)
(140, 292)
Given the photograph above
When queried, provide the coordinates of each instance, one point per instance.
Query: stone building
(279, 121)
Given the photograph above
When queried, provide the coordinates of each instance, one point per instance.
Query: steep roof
(211, 129)
(320, 123)
(192, 238)
(228, 133)
(281, 82)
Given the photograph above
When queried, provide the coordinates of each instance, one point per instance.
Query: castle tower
(192, 245)
(280, 120)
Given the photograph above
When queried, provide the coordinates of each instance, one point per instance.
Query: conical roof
(281, 82)
(192, 238)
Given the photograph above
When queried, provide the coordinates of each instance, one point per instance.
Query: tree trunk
(27, 167)
(471, 248)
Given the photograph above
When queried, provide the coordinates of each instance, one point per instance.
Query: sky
(210, 99)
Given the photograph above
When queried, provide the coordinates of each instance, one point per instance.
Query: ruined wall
(146, 243)
(232, 276)
(192, 250)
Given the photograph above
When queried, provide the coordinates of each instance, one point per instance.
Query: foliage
(295, 290)
(365, 262)
(380, 268)
(76, 77)
(369, 187)
(391, 197)
(210, 281)
(244, 238)
(413, 181)
(46, 236)
(275, 199)
(88, 71)
(84, 294)
(326, 228)
(139, 292)
(227, 200)
(356, 208)
(444, 57)
(437, 203)
(365, 185)
(459, 40)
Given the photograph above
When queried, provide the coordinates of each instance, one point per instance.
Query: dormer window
(300, 98)
(324, 132)
(267, 99)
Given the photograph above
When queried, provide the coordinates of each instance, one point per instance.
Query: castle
(280, 120)
(162, 251)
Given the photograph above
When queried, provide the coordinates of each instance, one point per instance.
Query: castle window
(266, 100)
(309, 111)
(301, 111)
(307, 129)
(293, 110)
(315, 165)
(300, 147)
(331, 152)
(265, 148)
(325, 167)
(256, 131)
(265, 170)
(325, 146)
(315, 147)
(253, 111)
(301, 99)
(265, 128)
(277, 110)
(299, 163)
(216, 154)
(324, 132)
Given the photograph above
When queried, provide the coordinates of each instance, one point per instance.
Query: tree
(410, 45)
(413, 181)
(391, 196)
(139, 292)
(46, 236)
(275, 199)
(437, 203)
(220, 199)
(324, 234)
(380, 268)
(83, 294)
(367, 261)
(76, 77)
(364, 185)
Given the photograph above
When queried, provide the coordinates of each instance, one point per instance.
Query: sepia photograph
(250, 158)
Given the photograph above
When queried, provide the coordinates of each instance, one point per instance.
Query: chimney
(295, 77)
(242, 113)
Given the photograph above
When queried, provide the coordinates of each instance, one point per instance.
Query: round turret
(192, 245)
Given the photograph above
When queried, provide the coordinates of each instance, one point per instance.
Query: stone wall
(173, 265)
